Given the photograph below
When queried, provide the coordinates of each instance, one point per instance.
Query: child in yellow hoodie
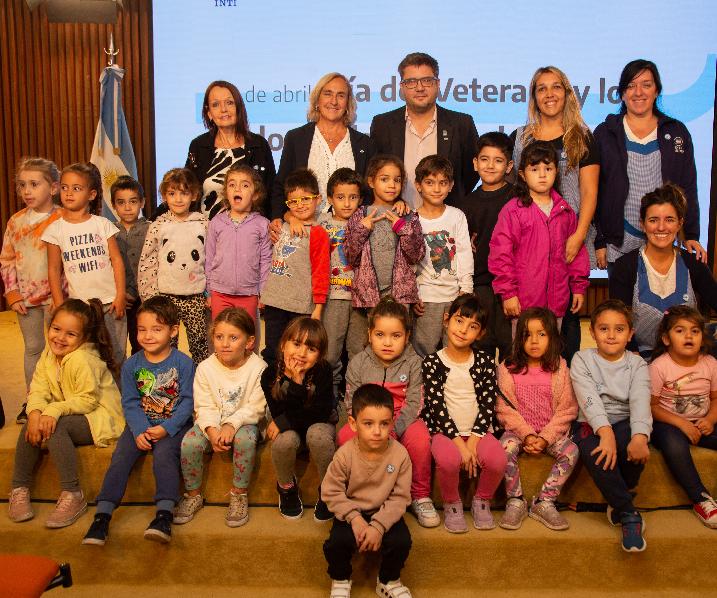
(73, 400)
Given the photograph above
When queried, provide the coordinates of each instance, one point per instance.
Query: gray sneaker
(545, 512)
(69, 507)
(238, 512)
(516, 510)
(19, 507)
(187, 508)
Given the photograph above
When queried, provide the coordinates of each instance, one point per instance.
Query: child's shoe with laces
(188, 508)
(545, 512)
(238, 511)
(516, 510)
(69, 507)
(99, 530)
(706, 511)
(160, 529)
(19, 507)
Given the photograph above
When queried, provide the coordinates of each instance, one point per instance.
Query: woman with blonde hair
(554, 116)
(326, 142)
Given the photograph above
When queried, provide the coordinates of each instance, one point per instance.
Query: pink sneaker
(453, 519)
(482, 517)
(69, 507)
(19, 507)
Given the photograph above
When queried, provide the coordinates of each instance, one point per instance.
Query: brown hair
(615, 305)
(123, 183)
(418, 59)
(309, 332)
(237, 317)
(672, 315)
(517, 362)
(163, 308)
(301, 178)
(93, 327)
(242, 124)
(388, 307)
(47, 168)
(376, 163)
(667, 194)
(259, 188)
(94, 182)
(181, 178)
(434, 165)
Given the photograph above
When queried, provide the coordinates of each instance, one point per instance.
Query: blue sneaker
(633, 528)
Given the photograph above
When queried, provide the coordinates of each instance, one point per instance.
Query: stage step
(271, 555)
(657, 487)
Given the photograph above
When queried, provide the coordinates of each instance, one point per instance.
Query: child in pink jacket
(536, 406)
(527, 249)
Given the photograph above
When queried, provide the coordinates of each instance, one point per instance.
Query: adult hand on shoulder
(296, 227)
(511, 307)
(699, 251)
(573, 245)
(601, 258)
(606, 451)
(637, 449)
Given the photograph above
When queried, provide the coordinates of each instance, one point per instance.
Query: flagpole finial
(111, 52)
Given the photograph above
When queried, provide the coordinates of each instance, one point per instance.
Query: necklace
(331, 138)
(224, 140)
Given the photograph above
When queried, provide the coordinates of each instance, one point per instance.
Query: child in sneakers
(73, 401)
(228, 406)
(299, 392)
(446, 269)
(612, 387)
(684, 401)
(390, 361)
(157, 403)
(367, 488)
(460, 388)
(536, 381)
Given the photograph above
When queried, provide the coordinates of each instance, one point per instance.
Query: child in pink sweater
(536, 408)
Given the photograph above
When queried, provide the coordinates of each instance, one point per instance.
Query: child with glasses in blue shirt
(298, 281)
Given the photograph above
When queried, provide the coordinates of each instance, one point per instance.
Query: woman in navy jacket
(641, 148)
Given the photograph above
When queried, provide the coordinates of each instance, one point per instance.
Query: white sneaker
(340, 588)
(392, 589)
(425, 512)
(187, 508)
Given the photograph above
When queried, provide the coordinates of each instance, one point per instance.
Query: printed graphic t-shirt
(341, 273)
(85, 256)
(684, 391)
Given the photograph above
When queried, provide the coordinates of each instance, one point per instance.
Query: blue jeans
(165, 465)
(675, 447)
(615, 484)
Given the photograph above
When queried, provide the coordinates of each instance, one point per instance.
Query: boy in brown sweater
(367, 487)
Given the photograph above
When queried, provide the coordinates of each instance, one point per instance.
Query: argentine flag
(112, 151)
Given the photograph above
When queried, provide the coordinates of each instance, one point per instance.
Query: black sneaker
(160, 530)
(22, 416)
(633, 528)
(99, 530)
(321, 511)
(290, 505)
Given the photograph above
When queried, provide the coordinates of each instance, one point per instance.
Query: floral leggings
(195, 445)
(566, 454)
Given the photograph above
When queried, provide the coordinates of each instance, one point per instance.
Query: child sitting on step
(612, 387)
(367, 487)
(684, 401)
(73, 400)
(157, 403)
(299, 392)
(536, 381)
(229, 404)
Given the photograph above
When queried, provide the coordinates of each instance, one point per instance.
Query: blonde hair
(312, 114)
(49, 170)
(577, 133)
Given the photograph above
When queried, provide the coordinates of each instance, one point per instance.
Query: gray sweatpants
(32, 325)
(321, 441)
(428, 329)
(118, 334)
(71, 431)
(343, 324)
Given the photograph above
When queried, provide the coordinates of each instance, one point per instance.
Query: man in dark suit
(422, 128)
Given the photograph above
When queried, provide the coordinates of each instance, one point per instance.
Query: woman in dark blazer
(327, 142)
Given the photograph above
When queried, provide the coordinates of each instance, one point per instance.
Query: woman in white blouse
(327, 142)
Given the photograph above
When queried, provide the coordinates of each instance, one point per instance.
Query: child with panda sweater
(172, 261)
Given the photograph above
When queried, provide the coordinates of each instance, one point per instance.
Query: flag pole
(111, 52)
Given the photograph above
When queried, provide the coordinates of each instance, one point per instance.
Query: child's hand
(143, 442)
(637, 449)
(691, 431)
(577, 303)
(511, 307)
(358, 526)
(295, 369)
(19, 307)
(540, 444)
(371, 539)
(572, 246)
(705, 426)
(129, 302)
(392, 217)
(529, 444)
(275, 230)
(318, 310)
(370, 219)
(272, 430)
(601, 258)
(226, 436)
(118, 306)
(401, 208)
(296, 227)
(468, 459)
(419, 309)
(155, 433)
(32, 432)
(606, 451)
(47, 426)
